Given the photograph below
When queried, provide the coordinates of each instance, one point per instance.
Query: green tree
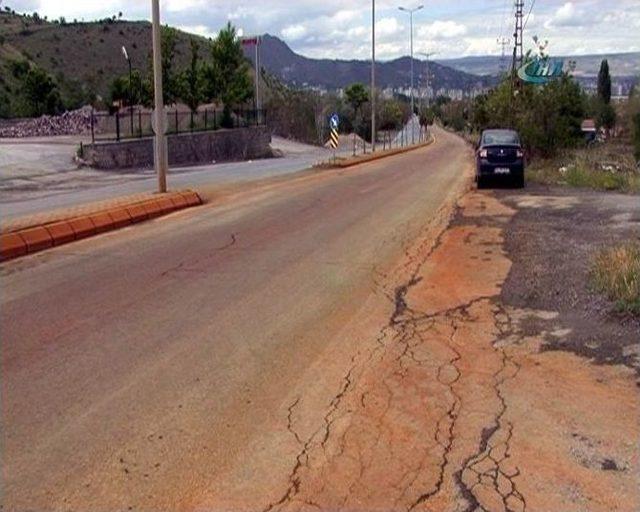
(5, 105)
(548, 117)
(227, 78)
(170, 82)
(119, 89)
(604, 82)
(635, 125)
(606, 116)
(391, 115)
(191, 79)
(356, 95)
(40, 92)
(140, 89)
(632, 120)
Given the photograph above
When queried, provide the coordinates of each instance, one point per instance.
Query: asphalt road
(38, 176)
(138, 367)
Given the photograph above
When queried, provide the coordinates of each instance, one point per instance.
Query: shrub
(616, 273)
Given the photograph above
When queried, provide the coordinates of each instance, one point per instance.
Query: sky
(342, 28)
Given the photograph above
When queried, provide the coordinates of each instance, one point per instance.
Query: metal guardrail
(386, 139)
(136, 124)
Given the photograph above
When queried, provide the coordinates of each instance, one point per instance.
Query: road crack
(488, 466)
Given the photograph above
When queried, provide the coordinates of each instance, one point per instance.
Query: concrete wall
(184, 148)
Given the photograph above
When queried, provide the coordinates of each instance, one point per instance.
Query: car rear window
(500, 138)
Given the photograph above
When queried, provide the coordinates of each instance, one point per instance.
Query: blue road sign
(334, 121)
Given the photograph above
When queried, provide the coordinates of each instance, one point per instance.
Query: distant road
(40, 176)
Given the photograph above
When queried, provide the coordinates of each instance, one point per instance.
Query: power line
(529, 14)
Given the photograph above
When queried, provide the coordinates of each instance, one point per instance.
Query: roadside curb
(378, 155)
(35, 238)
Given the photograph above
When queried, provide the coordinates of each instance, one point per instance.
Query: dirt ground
(551, 241)
(499, 382)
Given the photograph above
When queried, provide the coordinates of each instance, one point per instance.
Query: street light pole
(126, 56)
(411, 11)
(257, 74)
(373, 75)
(160, 146)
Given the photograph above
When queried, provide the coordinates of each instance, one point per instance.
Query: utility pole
(517, 58)
(503, 43)
(373, 75)
(517, 38)
(411, 11)
(427, 56)
(160, 146)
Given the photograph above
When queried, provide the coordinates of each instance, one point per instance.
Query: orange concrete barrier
(82, 227)
(152, 208)
(165, 204)
(12, 245)
(120, 217)
(37, 237)
(137, 213)
(61, 232)
(370, 157)
(192, 198)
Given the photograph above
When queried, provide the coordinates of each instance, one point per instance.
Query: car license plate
(502, 170)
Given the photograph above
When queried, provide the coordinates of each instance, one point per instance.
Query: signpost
(334, 142)
(255, 41)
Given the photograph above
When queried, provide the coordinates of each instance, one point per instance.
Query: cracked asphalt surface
(320, 344)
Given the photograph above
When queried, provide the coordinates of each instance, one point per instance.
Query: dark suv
(500, 155)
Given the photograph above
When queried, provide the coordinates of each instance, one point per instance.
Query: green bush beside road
(607, 166)
(616, 273)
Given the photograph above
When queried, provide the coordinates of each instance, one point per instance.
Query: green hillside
(83, 57)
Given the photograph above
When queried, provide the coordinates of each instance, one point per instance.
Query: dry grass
(608, 166)
(616, 273)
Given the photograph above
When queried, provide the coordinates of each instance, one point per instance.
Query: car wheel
(518, 180)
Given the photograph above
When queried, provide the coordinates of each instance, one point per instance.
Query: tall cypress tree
(604, 82)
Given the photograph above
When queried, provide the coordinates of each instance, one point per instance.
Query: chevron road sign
(334, 121)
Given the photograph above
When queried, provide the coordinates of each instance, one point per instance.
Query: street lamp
(411, 11)
(373, 75)
(126, 56)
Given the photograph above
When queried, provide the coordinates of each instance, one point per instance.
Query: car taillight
(519, 153)
(483, 153)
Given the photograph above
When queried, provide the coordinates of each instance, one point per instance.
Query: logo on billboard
(540, 69)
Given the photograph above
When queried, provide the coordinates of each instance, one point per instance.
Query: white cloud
(344, 17)
(201, 30)
(442, 30)
(568, 15)
(388, 27)
(294, 32)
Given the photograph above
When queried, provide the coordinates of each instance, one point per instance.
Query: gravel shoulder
(552, 240)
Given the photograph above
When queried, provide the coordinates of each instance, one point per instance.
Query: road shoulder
(465, 398)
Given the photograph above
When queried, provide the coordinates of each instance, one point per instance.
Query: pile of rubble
(74, 122)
